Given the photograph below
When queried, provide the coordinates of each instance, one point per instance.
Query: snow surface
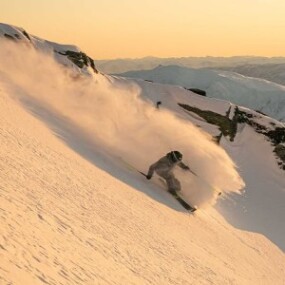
(74, 212)
(261, 207)
(48, 47)
(265, 183)
(253, 93)
(272, 72)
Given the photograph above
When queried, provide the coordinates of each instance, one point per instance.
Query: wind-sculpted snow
(118, 120)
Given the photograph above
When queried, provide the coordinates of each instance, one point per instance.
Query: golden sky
(108, 29)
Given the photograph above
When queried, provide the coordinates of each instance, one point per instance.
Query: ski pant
(173, 184)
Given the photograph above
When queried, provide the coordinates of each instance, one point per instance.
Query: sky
(108, 29)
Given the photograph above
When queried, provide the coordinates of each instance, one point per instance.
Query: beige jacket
(164, 167)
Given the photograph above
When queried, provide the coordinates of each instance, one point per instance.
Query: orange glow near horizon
(164, 28)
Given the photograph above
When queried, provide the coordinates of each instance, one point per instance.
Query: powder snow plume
(117, 119)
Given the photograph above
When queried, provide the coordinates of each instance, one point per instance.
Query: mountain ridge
(115, 66)
(67, 55)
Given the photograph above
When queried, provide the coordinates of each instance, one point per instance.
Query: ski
(183, 203)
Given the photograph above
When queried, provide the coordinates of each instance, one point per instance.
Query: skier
(158, 103)
(164, 168)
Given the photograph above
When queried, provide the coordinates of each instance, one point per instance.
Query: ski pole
(193, 172)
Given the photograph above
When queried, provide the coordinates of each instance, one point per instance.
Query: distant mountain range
(124, 65)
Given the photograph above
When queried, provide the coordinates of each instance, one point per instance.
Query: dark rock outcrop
(228, 127)
(197, 91)
(80, 59)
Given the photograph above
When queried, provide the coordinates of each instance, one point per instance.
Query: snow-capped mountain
(271, 72)
(257, 94)
(75, 210)
(127, 64)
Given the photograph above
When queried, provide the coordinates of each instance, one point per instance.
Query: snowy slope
(272, 72)
(256, 94)
(115, 113)
(70, 216)
(67, 55)
(73, 212)
(261, 208)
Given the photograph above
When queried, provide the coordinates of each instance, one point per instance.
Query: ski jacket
(164, 167)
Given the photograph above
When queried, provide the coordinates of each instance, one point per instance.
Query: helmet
(175, 156)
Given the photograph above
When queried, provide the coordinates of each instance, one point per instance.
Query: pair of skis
(182, 202)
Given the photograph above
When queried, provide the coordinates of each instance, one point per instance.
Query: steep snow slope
(261, 207)
(71, 215)
(121, 122)
(256, 94)
(73, 212)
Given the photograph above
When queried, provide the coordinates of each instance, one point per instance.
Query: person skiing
(164, 168)
(158, 103)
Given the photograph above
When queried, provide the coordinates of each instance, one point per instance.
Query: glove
(148, 177)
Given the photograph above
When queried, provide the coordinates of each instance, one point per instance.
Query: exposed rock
(198, 91)
(26, 35)
(9, 37)
(80, 59)
(228, 127)
(19, 35)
